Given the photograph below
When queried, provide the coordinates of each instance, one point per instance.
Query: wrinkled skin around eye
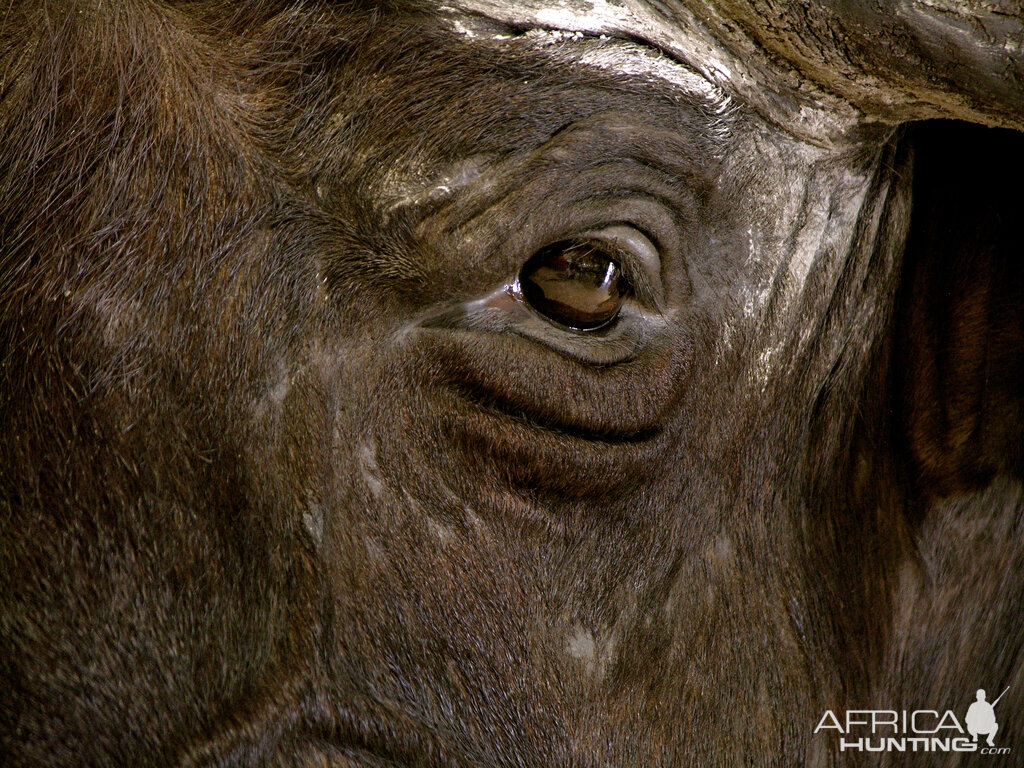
(574, 284)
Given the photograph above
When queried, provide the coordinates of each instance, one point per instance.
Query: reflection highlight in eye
(575, 284)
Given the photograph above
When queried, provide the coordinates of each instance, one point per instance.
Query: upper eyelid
(494, 247)
(642, 271)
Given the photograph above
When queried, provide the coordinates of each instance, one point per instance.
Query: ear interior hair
(958, 373)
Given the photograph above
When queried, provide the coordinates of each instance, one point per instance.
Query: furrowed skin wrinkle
(293, 473)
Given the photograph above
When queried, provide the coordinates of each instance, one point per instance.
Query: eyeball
(575, 284)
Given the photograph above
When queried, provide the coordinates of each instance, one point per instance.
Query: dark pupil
(575, 284)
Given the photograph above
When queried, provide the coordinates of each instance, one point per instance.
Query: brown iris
(575, 284)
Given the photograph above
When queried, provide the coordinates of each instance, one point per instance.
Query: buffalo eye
(575, 284)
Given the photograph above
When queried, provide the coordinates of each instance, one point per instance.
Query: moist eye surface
(575, 284)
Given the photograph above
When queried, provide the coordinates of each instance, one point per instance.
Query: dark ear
(958, 375)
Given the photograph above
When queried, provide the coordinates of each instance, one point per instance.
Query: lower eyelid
(502, 311)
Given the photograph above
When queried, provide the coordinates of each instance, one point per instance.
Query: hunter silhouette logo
(981, 717)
